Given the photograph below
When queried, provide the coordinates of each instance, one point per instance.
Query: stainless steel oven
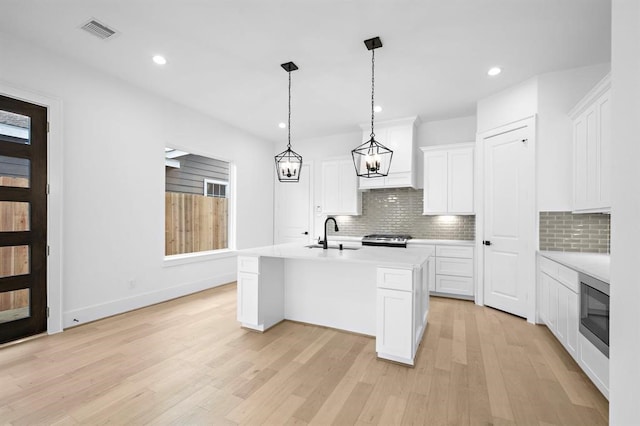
(594, 312)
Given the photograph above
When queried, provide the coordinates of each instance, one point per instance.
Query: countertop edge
(585, 266)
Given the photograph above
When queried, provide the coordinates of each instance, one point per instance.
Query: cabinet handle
(486, 242)
(305, 233)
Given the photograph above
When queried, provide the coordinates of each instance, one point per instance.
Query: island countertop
(410, 257)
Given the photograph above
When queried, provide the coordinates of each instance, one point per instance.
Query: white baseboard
(115, 307)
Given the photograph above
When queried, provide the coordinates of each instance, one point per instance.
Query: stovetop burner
(389, 240)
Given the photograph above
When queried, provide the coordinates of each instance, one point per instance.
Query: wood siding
(195, 223)
(194, 169)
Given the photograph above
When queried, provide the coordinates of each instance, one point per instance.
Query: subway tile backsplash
(565, 231)
(399, 211)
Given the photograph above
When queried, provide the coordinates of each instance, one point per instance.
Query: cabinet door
(583, 130)
(544, 297)
(330, 186)
(460, 181)
(563, 311)
(248, 298)
(435, 182)
(573, 323)
(394, 323)
(399, 140)
(350, 197)
(603, 195)
(552, 303)
(340, 193)
(432, 274)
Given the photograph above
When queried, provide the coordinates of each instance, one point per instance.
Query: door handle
(486, 242)
(305, 233)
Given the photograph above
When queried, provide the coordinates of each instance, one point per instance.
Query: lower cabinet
(559, 309)
(402, 307)
(454, 271)
(260, 292)
(559, 303)
(394, 328)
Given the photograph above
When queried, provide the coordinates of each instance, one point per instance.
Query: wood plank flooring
(187, 361)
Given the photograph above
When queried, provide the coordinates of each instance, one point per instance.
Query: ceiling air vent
(97, 29)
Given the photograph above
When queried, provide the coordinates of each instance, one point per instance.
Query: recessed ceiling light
(282, 125)
(494, 71)
(377, 108)
(160, 60)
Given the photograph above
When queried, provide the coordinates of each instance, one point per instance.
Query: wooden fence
(194, 223)
(14, 216)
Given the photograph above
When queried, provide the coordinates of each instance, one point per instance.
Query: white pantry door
(293, 209)
(509, 220)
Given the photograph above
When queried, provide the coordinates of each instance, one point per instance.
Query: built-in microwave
(594, 312)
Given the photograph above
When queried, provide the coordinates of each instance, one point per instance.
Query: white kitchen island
(377, 291)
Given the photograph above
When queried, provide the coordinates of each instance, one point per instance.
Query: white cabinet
(402, 307)
(448, 179)
(398, 136)
(340, 195)
(260, 292)
(592, 150)
(559, 303)
(453, 271)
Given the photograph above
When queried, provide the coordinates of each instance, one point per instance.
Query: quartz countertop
(593, 264)
(412, 257)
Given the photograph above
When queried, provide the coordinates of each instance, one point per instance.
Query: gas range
(386, 240)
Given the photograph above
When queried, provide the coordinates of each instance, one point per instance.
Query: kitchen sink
(333, 247)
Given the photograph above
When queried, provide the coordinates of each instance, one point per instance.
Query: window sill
(182, 259)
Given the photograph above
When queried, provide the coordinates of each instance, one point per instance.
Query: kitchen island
(376, 291)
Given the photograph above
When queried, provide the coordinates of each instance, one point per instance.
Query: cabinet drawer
(249, 264)
(569, 278)
(454, 285)
(395, 279)
(549, 267)
(454, 266)
(455, 251)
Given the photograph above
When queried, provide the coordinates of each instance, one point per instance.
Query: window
(197, 196)
(215, 188)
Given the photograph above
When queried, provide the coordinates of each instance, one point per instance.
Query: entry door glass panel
(14, 260)
(15, 128)
(14, 305)
(23, 219)
(14, 171)
(14, 216)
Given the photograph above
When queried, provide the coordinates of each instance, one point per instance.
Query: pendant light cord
(289, 122)
(373, 54)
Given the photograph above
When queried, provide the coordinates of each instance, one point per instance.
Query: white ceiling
(225, 55)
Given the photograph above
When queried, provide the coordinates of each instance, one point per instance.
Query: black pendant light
(372, 159)
(288, 162)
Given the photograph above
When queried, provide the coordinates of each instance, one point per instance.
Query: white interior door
(293, 209)
(509, 220)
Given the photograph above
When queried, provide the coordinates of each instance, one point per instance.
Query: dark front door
(23, 219)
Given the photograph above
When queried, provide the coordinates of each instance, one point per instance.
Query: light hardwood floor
(187, 361)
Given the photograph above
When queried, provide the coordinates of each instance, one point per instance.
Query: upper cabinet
(592, 150)
(400, 137)
(448, 179)
(340, 195)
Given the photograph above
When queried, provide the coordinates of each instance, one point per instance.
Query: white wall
(625, 233)
(512, 104)
(442, 132)
(113, 202)
(558, 93)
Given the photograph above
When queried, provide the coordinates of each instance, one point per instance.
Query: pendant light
(288, 162)
(372, 159)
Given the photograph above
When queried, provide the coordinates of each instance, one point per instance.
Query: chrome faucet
(324, 242)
